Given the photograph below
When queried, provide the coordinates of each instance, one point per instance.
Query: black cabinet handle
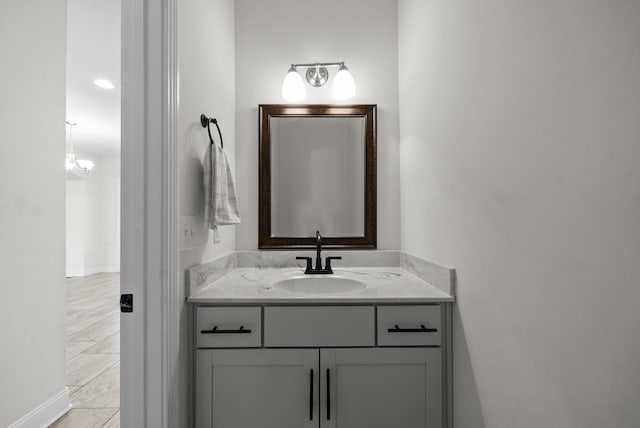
(328, 394)
(311, 395)
(216, 330)
(422, 329)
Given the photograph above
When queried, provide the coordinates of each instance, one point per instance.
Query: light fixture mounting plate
(317, 76)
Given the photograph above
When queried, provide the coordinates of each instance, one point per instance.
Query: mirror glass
(317, 176)
(317, 171)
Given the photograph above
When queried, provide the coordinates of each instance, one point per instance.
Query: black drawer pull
(215, 330)
(422, 329)
(311, 395)
(328, 394)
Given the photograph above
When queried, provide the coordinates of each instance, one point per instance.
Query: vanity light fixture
(84, 165)
(343, 85)
(293, 86)
(317, 75)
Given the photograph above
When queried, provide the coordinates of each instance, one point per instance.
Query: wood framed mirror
(317, 171)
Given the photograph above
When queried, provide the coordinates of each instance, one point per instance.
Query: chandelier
(72, 162)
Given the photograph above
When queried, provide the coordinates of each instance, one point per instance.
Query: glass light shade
(85, 164)
(293, 86)
(343, 85)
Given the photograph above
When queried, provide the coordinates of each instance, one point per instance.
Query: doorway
(92, 334)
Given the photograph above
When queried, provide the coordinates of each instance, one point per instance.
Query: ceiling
(93, 52)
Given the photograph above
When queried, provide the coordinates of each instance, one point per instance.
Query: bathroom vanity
(271, 355)
(278, 344)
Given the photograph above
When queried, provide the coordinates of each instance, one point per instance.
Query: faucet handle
(308, 259)
(327, 265)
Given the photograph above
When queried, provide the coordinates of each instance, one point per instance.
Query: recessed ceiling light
(102, 83)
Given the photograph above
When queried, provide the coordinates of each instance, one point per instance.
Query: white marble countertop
(256, 286)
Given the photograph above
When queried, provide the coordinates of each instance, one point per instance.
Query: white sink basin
(319, 285)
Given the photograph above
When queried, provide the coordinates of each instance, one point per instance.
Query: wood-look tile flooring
(93, 351)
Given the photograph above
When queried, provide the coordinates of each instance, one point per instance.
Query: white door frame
(149, 213)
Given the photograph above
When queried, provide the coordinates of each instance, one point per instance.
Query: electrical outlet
(216, 236)
(188, 233)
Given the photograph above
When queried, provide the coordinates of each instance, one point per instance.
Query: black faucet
(318, 250)
(318, 269)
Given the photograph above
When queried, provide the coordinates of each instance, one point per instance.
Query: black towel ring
(206, 123)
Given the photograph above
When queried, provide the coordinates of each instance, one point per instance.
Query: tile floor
(93, 352)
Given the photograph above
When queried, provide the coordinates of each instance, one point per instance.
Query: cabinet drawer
(228, 327)
(319, 326)
(409, 325)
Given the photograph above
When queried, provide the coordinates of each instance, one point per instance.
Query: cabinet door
(248, 388)
(381, 388)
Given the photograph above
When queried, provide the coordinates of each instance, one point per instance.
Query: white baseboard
(92, 271)
(100, 269)
(46, 413)
(74, 273)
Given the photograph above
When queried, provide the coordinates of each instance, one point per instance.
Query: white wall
(270, 36)
(93, 218)
(206, 67)
(206, 85)
(76, 215)
(519, 160)
(109, 191)
(32, 205)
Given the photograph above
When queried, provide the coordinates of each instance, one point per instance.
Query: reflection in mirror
(317, 172)
(326, 157)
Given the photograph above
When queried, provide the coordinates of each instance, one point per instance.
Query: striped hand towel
(221, 204)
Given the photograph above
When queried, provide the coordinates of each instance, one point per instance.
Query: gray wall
(270, 36)
(520, 143)
(32, 205)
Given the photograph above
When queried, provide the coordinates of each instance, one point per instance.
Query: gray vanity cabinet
(266, 388)
(381, 388)
(326, 388)
(278, 378)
